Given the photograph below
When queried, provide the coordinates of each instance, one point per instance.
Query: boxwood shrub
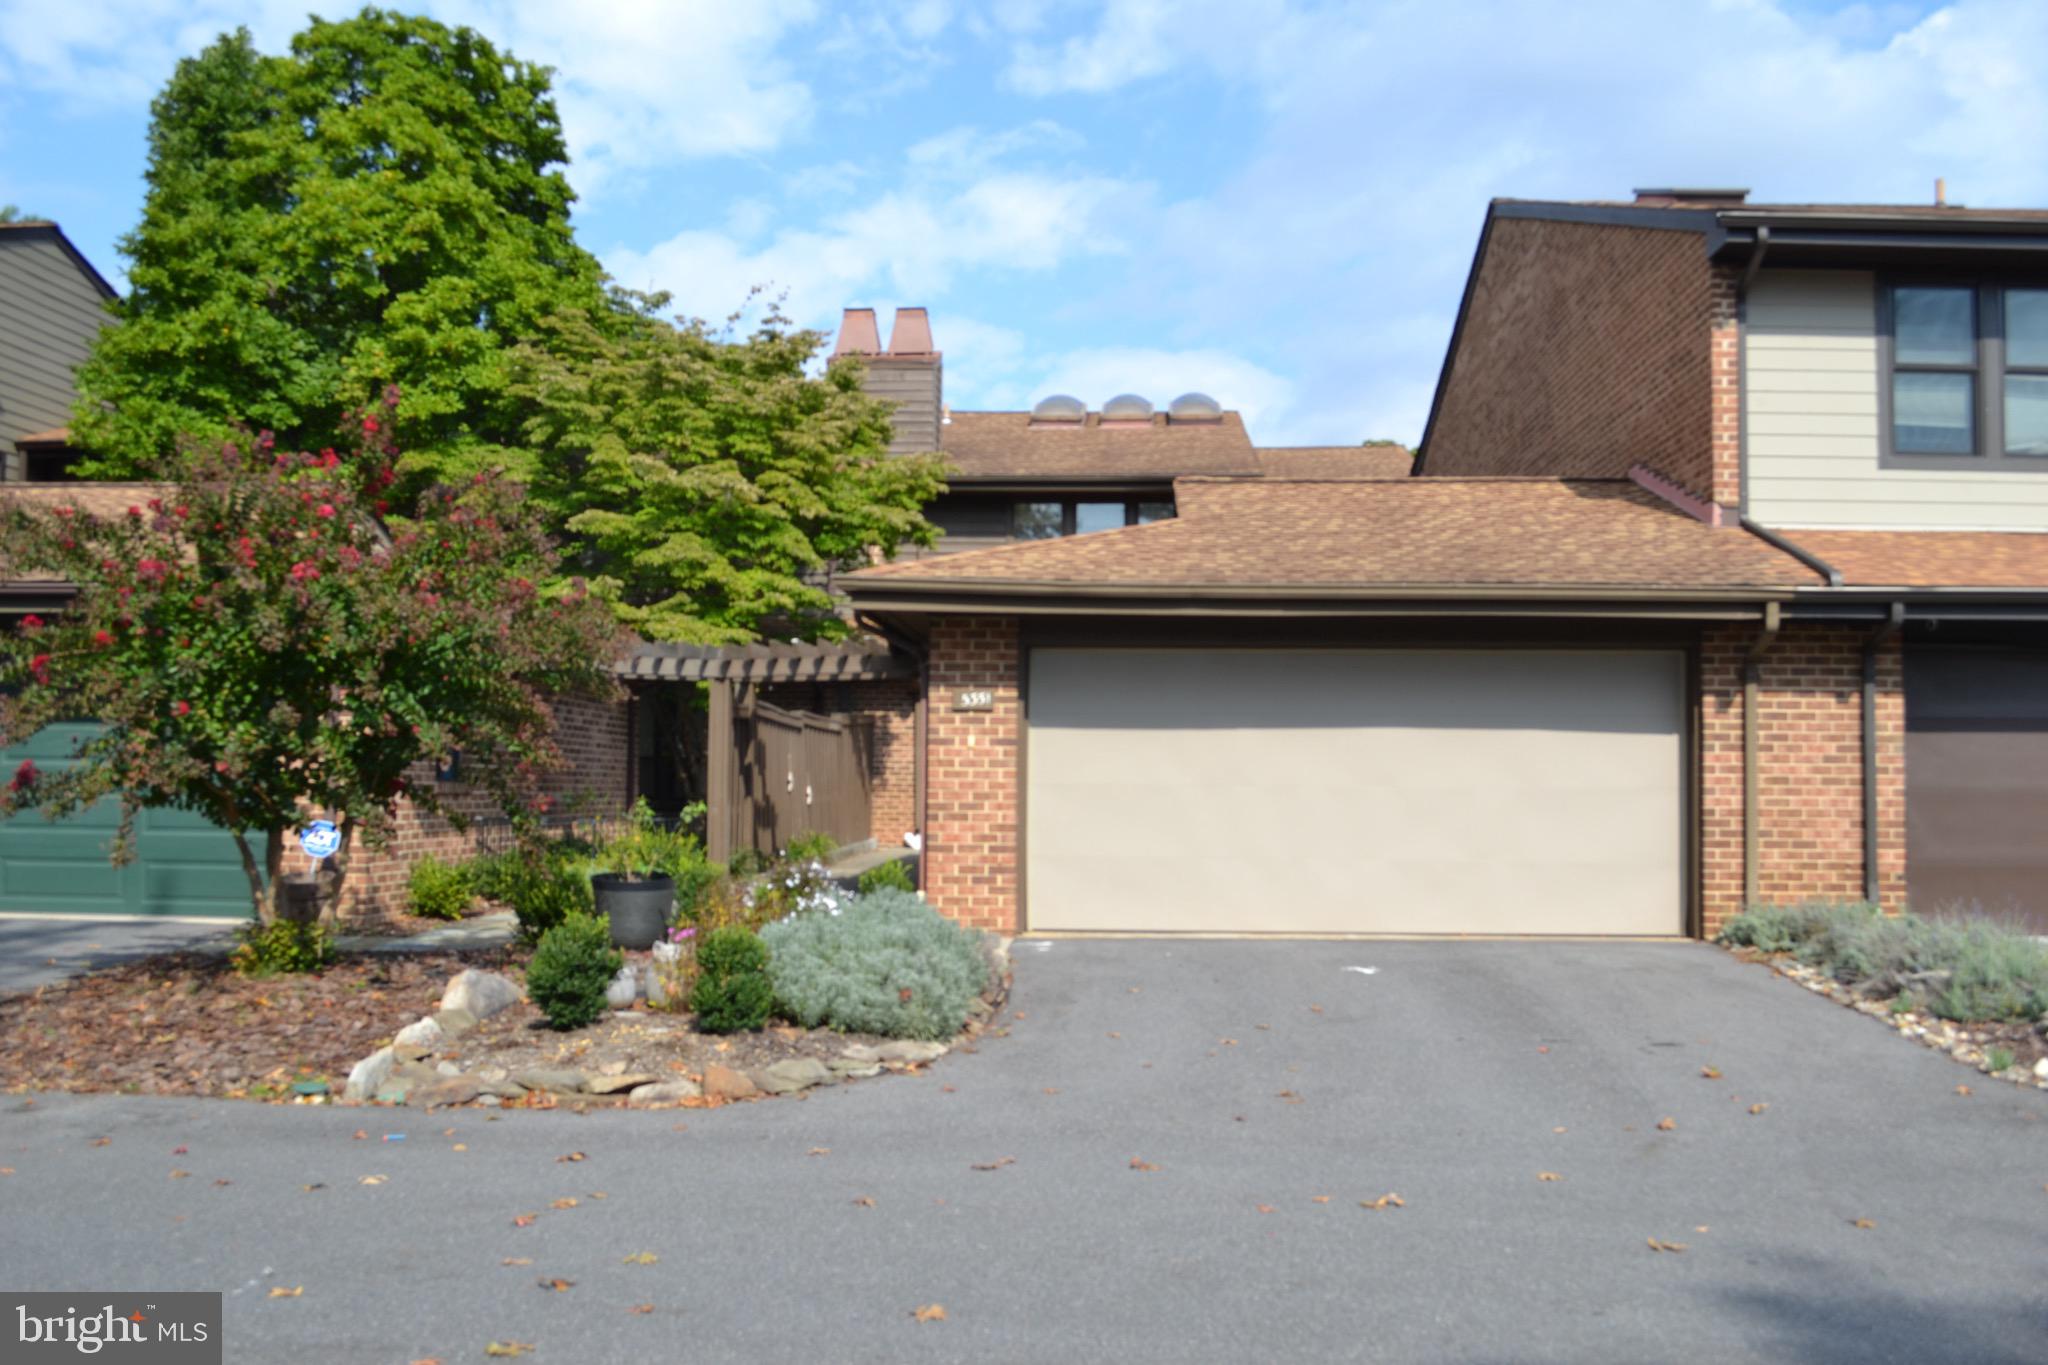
(570, 970)
(887, 963)
(732, 993)
(438, 890)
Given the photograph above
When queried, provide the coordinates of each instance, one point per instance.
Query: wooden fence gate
(776, 775)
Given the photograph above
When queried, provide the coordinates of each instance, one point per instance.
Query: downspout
(1895, 618)
(1751, 669)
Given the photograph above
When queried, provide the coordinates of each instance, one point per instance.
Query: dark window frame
(1068, 513)
(1988, 374)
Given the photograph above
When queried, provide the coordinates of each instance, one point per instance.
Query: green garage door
(183, 865)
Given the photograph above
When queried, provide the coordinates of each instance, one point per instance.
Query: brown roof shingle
(1931, 559)
(1564, 534)
(1005, 445)
(1335, 462)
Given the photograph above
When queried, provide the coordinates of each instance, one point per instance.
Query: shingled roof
(1335, 462)
(1587, 537)
(1931, 559)
(1002, 447)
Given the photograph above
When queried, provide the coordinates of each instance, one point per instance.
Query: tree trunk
(259, 898)
(273, 867)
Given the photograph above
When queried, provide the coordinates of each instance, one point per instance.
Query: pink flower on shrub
(681, 935)
(24, 777)
(151, 570)
(31, 622)
(325, 509)
(40, 667)
(369, 424)
(305, 570)
(102, 638)
(181, 708)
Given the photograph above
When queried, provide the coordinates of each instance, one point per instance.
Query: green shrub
(811, 848)
(544, 889)
(747, 862)
(438, 890)
(570, 970)
(1777, 928)
(893, 875)
(1997, 1059)
(733, 992)
(1994, 973)
(283, 946)
(887, 963)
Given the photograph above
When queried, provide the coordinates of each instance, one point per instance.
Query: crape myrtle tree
(263, 651)
(383, 204)
(711, 484)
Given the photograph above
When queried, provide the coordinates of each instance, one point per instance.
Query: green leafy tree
(382, 205)
(261, 650)
(711, 484)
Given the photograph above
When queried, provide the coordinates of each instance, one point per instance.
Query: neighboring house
(52, 305)
(1722, 579)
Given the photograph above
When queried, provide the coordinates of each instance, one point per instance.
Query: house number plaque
(974, 699)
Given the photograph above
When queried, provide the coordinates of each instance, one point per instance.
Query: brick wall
(972, 853)
(1724, 333)
(595, 739)
(1809, 766)
(1584, 351)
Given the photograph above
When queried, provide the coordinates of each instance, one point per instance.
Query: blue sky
(1270, 200)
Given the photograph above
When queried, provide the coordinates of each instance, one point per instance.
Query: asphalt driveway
(38, 950)
(1258, 1078)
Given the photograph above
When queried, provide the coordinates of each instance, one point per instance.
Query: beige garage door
(1355, 791)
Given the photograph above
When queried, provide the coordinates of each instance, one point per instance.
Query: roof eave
(1021, 597)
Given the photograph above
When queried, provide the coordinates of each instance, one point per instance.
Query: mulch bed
(186, 1024)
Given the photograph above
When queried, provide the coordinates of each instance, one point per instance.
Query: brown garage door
(1977, 782)
(1354, 791)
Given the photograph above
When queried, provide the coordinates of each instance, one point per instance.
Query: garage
(1977, 781)
(183, 865)
(1424, 791)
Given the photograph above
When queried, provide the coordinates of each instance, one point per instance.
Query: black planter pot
(638, 910)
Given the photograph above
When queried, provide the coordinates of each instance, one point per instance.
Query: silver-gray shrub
(887, 963)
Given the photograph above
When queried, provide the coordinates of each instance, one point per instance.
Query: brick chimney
(909, 374)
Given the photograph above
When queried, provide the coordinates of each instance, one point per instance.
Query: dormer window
(1965, 374)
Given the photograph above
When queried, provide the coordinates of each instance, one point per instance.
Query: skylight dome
(1127, 407)
(1194, 407)
(1060, 407)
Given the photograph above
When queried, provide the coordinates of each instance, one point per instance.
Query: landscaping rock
(860, 1053)
(480, 994)
(448, 1068)
(662, 1092)
(798, 1073)
(560, 1081)
(455, 1022)
(624, 990)
(421, 1033)
(447, 1090)
(488, 1100)
(2041, 1069)
(909, 1052)
(848, 1068)
(612, 1085)
(723, 1083)
(369, 1074)
(411, 1052)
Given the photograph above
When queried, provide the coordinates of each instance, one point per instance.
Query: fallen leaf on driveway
(599, 1194)
(931, 1312)
(1666, 1125)
(1557, 1130)
(819, 1151)
(316, 1185)
(1963, 1090)
(1265, 1208)
(640, 1258)
(1548, 1175)
(1656, 1245)
(1227, 1042)
(866, 1201)
(6, 1170)
(1711, 1073)
(1322, 1199)
(517, 1260)
(1315, 1009)
(995, 1165)
(508, 1348)
(1051, 1090)
(1116, 1035)
(1138, 1165)
(1385, 1201)
(360, 1134)
(556, 1285)
(563, 1203)
(101, 1141)
(428, 1360)
(571, 1156)
(524, 1220)
(459, 1147)
(375, 1179)
(1758, 1108)
(641, 1308)
(278, 1291)
(1289, 1096)
(179, 1150)
(1865, 1223)
(222, 1181)
(179, 1175)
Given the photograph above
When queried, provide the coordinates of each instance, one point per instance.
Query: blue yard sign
(320, 839)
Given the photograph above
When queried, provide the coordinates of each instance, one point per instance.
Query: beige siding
(914, 387)
(1810, 409)
(49, 313)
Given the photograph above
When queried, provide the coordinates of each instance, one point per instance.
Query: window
(1037, 520)
(1046, 520)
(1966, 374)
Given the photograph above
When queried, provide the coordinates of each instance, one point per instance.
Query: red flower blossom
(369, 424)
(325, 509)
(40, 667)
(181, 708)
(24, 777)
(150, 570)
(135, 512)
(304, 570)
(102, 638)
(31, 622)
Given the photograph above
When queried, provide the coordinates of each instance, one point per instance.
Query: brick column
(1810, 770)
(1725, 361)
(972, 851)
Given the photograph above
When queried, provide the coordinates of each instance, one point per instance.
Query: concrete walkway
(36, 950)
